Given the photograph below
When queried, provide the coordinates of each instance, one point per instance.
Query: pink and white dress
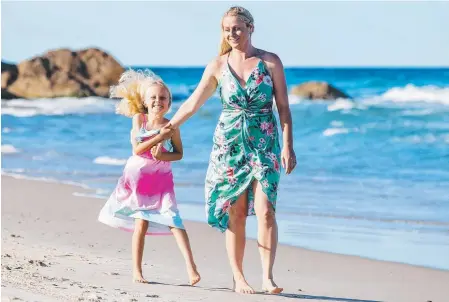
(145, 191)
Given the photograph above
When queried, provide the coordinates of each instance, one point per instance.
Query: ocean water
(372, 178)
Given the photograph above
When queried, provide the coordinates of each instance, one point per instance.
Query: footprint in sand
(94, 297)
(65, 255)
(38, 263)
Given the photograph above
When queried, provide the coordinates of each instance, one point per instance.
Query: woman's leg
(267, 237)
(182, 239)
(138, 242)
(235, 243)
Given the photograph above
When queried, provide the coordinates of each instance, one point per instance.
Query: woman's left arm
(288, 156)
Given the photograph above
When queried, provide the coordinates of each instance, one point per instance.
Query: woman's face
(235, 31)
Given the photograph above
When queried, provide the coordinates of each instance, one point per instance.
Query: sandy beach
(54, 249)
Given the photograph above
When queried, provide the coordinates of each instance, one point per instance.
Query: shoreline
(90, 193)
(53, 247)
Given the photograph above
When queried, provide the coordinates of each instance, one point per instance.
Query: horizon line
(368, 66)
(311, 66)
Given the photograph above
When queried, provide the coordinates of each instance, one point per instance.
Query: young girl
(144, 199)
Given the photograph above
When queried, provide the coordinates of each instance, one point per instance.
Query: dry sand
(53, 249)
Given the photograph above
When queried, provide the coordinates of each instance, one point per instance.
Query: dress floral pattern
(245, 145)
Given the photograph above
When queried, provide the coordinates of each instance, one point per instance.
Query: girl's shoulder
(138, 116)
(165, 121)
(138, 120)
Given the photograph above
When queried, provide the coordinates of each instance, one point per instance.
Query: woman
(243, 174)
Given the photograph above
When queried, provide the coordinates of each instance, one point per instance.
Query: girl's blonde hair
(244, 15)
(132, 87)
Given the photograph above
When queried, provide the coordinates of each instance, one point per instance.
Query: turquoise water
(372, 176)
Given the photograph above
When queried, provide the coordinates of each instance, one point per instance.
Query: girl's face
(157, 100)
(235, 31)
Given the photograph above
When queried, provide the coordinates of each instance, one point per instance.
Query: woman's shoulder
(214, 67)
(271, 61)
(269, 57)
(217, 62)
(221, 59)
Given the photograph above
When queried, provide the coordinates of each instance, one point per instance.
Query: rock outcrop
(318, 91)
(61, 73)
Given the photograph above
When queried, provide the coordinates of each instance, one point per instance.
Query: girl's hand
(288, 159)
(156, 151)
(166, 132)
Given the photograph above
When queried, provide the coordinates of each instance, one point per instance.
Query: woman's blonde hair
(132, 87)
(244, 15)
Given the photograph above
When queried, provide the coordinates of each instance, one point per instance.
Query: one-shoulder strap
(144, 122)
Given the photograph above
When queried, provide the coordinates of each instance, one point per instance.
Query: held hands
(288, 159)
(156, 151)
(166, 131)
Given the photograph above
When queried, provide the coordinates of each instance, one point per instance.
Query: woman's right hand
(166, 132)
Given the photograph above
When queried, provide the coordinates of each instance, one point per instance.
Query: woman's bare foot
(270, 287)
(138, 278)
(241, 286)
(194, 276)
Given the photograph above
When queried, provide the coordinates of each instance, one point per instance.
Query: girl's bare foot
(270, 287)
(241, 286)
(138, 278)
(194, 276)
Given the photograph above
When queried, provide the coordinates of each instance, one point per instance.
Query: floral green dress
(245, 145)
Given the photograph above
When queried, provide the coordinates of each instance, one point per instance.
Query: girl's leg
(235, 243)
(267, 237)
(138, 242)
(182, 239)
